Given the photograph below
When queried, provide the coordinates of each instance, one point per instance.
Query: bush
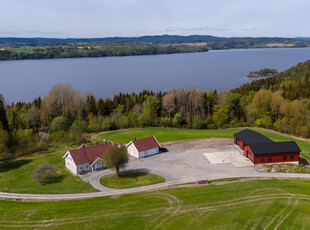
(47, 174)
(197, 123)
(58, 124)
(108, 124)
(165, 122)
(144, 120)
(178, 120)
(60, 136)
(79, 126)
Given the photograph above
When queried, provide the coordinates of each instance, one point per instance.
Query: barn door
(249, 154)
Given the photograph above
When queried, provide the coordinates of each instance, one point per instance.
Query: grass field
(130, 180)
(167, 135)
(23, 49)
(17, 177)
(261, 204)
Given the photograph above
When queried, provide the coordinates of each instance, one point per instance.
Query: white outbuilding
(143, 147)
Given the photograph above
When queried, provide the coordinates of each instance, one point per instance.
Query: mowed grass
(168, 134)
(17, 176)
(130, 180)
(260, 204)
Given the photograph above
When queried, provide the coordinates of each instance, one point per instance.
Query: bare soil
(197, 144)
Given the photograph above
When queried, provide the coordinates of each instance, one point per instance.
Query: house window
(87, 166)
(81, 168)
(284, 158)
(269, 158)
(292, 157)
(262, 159)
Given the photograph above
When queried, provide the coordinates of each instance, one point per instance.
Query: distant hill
(250, 41)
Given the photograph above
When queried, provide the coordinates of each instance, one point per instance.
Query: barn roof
(248, 136)
(89, 153)
(145, 143)
(275, 147)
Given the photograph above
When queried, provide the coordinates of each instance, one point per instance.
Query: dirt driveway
(187, 161)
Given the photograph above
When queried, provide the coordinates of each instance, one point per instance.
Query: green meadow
(259, 204)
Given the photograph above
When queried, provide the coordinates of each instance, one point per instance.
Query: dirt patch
(197, 144)
(279, 45)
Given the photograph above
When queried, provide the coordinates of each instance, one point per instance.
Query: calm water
(221, 70)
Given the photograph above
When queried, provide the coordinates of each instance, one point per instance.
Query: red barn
(260, 149)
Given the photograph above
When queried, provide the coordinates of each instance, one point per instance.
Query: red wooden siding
(275, 157)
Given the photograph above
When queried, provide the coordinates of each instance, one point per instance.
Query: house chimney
(97, 143)
(134, 138)
(83, 145)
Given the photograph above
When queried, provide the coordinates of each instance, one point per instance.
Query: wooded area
(17, 52)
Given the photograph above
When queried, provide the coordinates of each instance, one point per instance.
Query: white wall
(131, 150)
(69, 163)
(148, 152)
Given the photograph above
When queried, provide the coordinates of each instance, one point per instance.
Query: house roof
(248, 136)
(275, 147)
(145, 143)
(89, 153)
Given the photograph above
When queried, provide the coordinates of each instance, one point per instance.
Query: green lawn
(261, 204)
(17, 177)
(168, 134)
(130, 180)
(23, 49)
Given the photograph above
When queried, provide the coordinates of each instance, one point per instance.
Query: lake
(24, 80)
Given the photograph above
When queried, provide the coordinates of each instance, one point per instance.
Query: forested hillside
(281, 102)
(45, 48)
(18, 52)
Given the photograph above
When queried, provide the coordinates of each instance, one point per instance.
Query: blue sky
(106, 18)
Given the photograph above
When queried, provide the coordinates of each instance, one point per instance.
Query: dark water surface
(25, 80)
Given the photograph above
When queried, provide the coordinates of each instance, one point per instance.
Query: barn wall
(241, 144)
(245, 152)
(276, 158)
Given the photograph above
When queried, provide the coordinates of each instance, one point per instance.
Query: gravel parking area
(189, 161)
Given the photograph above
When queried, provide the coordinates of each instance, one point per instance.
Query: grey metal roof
(251, 137)
(275, 147)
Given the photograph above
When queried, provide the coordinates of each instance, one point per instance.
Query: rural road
(186, 161)
(112, 192)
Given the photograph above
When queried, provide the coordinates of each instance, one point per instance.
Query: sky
(109, 18)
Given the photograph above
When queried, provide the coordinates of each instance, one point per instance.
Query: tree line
(98, 50)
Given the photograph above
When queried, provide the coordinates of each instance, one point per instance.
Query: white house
(143, 147)
(86, 158)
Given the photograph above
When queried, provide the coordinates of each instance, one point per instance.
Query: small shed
(143, 147)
